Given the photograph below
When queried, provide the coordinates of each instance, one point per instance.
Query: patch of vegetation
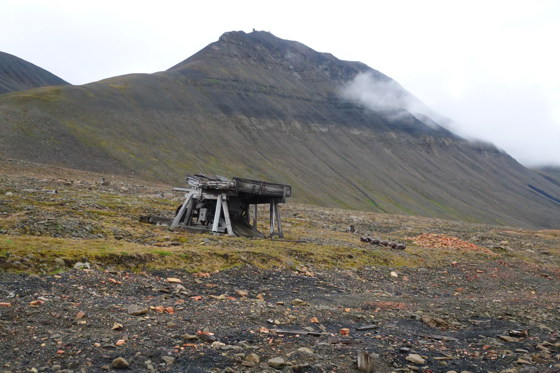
(45, 94)
(120, 87)
(162, 252)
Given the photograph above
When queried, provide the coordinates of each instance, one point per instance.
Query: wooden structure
(227, 206)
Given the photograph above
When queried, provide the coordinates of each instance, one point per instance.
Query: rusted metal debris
(377, 241)
(229, 206)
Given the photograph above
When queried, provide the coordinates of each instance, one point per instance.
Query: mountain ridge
(254, 105)
(17, 74)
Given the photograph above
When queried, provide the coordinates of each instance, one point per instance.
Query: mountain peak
(277, 68)
(240, 36)
(265, 39)
(236, 51)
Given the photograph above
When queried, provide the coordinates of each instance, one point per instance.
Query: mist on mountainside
(389, 97)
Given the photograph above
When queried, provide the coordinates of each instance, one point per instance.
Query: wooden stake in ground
(365, 362)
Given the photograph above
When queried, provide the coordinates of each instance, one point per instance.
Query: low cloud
(390, 98)
(523, 120)
(519, 119)
(375, 94)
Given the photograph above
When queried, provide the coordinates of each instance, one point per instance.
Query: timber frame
(225, 206)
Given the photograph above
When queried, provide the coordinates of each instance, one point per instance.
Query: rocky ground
(86, 288)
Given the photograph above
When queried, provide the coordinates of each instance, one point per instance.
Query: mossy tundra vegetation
(50, 213)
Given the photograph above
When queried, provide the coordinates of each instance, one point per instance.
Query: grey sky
(491, 66)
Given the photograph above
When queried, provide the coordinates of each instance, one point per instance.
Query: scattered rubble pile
(377, 241)
(439, 241)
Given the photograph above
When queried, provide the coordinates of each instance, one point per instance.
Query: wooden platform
(223, 205)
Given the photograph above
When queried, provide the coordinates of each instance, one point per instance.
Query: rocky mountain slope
(254, 105)
(18, 75)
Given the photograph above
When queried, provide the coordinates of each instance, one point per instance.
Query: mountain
(18, 75)
(256, 106)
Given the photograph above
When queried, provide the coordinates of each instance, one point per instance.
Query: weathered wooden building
(227, 206)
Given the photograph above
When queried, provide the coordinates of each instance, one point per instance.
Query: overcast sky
(492, 66)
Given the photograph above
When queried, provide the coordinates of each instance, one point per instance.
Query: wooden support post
(189, 214)
(366, 363)
(255, 209)
(217, 214)
(226, 216)
(248, 214)
(277, 210)
(271, 219)
(177, 219)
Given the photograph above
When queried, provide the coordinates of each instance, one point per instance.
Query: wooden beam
(202, 194)
(271, 219)
(177, 219)
(227, 218)
(177, 189)
(189, 213)
(217, 215)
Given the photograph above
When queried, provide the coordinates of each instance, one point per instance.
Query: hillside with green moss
(256, 106)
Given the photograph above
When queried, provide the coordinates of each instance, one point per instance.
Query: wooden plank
(367, 327)
(262, 187)
(226, 217)
(217, 215)
(297, 332)
(201, 194)
(177, 189)
(181, 212)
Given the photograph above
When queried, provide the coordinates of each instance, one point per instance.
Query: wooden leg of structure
(177, 219)
(272, 219)
(217, 215)
(226, 216)
(255, 209)
(190, 208)
(275, 220)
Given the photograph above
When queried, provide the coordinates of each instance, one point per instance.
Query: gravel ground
(496, 317)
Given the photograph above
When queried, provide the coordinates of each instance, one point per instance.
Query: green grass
(162, 252)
